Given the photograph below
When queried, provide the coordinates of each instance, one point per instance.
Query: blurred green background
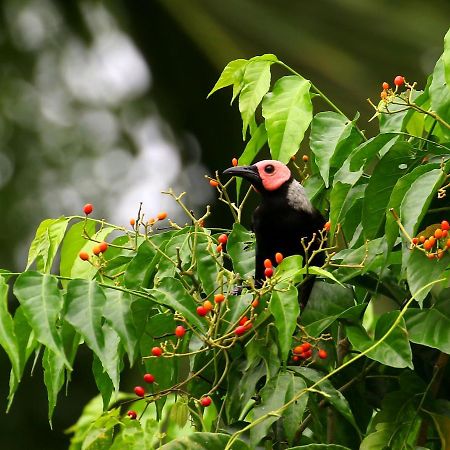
(105, 102)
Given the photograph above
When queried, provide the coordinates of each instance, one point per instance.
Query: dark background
(105, 102)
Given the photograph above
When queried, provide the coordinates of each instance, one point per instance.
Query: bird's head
(268, 175)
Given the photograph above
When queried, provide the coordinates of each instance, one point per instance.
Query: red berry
(213, 183)
(157, 351)
(445, 225)
(139, 391)
(149, 378)
(255, 303)
(161, 215)
(438, 233)
(234, 161)
(84, 256)
(219, 298)
(415, 241)
(103, 246)
(385, 85)
(88, 208)
(223, 238)
(278, 257)
(240, 330)
(306, 354)
(267, 263)
(295, 358)
(205, 401)
(132, 414)
(268, 272)
(444, 233)
(399, 80)
(327, 226)
(180, 331)
(306, 346)
(322, 354)
(243, 321)
(202, 311)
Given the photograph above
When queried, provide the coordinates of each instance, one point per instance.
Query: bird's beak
(250, 173)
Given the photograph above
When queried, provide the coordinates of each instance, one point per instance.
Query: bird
(284, 217)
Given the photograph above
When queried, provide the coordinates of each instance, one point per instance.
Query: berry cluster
(268, 266)
(387, 92)
(305, 351)
(435, 245)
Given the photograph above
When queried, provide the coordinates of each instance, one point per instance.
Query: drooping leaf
(273, 396)
(394, 351)
(285, 309)
(207, 267)
(232, 74)
(8, 338)
(171, 293)
(389, 169)
(103, 381)
(241, 248)
(288, 113)
(46, 243)
(256, 83)
(42, 303)
(292, 415)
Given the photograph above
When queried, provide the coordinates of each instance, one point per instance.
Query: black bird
(284, 217)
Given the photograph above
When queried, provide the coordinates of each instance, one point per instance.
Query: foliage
(379, 309)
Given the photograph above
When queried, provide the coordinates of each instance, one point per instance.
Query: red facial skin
(272, 180)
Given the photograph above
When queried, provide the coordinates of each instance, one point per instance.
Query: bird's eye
(269, 168)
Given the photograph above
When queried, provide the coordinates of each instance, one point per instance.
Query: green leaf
(420, 271)
(254, 145)
(46, 242)
(440, 95)
(417, 202)
(103, 381)
(171, 293)
(394, 351)
(331, 141)
(326, 304)
(292, 415)
(207, 266)
(446, 57)
(118, 313)
(320, 447)
(285, 309)
(288, 113)
(430, 326)
(389, 169)
(232, 74)
(290, 269)
(237, 304)
(241, 248)
(204, 441)
(273, 396)
(41, 302)
(100, 433)
(84, 311)
(131, 437)
(71, 265)
(256, 83)
(8, 338)
(334, 396)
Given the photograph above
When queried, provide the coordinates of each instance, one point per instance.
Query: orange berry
(267, 263)
(293, 158)
(219, 248)
(268, 272)
(255, 303)
(132, 222)
(234, 161)
(383, 95)
(219, 298)
(96, 250)
(180, 331)
(213, 183)
(322, 354)
(427, 245)
(103, 246)
(415, 241)
(432, 240)
(278, 257)
(297, 350)
(422, 239)
(327, 226)
(448, 243)
(161, 215)
(243, 321)
(444, 233)
(223, 238)
(305, 158)
(431, 255)
(385, 85)
(207, 305)
(445, 225)
(306, 346)
(438, 233)
(84, 256)
(440, 254)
